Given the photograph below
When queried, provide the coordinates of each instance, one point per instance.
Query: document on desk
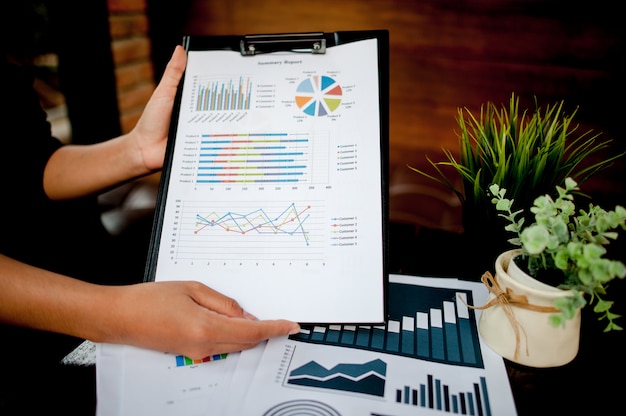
(273, 189)
(428, 359)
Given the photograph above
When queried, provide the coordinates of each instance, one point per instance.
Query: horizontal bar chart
(262, 158)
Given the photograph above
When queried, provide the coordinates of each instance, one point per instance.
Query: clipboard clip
(314, 43)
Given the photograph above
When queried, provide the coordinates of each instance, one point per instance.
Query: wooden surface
(447, 54)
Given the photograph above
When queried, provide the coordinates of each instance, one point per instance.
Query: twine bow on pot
(507, 299)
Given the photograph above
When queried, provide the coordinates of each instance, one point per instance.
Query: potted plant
(561, 255)
(526, 152)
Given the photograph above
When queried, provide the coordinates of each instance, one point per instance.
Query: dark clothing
(36, 230)
(66, 237)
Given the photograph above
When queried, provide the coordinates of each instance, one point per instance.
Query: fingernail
(294, 330)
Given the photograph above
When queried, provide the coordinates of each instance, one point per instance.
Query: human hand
(189, 318)
(153, 126)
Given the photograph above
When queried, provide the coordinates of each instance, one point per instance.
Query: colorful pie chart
(318, 95)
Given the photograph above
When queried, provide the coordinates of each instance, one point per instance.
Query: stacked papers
(427, 359)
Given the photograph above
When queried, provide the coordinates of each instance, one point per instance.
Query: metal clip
(314, 43)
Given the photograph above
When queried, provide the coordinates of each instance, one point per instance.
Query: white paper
(275, 192)
(110, 360)
(133, 381)
(290, 376)
(462, 377)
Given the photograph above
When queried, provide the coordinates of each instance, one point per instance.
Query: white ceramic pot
(537, 343)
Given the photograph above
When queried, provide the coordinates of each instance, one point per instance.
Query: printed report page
(274, 196)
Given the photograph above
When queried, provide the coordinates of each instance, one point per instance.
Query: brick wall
(130, 46)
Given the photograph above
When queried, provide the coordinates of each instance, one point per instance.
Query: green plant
(528, 153)
(570, 243)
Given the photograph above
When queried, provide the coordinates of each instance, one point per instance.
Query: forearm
(183, 317)
(74, 171)
(79, 170)
(40, 299)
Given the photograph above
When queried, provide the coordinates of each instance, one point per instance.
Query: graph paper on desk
(428, 359)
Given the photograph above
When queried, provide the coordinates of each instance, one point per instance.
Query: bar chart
(263, 158)
(182, 361)
(434, 394)
(223, 95)
(432, 324)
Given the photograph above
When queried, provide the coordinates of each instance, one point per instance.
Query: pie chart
(318, 95)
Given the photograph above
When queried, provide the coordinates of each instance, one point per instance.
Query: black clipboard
(234, 193)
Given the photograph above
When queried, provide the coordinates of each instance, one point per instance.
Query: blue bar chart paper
(345, 371)
(428, 323)
(380, 369)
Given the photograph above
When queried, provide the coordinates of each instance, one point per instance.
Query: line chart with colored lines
(289, 222)
(246, 230)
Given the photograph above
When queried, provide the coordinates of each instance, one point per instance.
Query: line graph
(290, 221)
(236, 230)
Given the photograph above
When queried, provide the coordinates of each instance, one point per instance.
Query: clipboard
(274, 188)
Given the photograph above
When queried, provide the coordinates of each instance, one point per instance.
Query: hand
(111, 162)
(189, 318)
(153, 126)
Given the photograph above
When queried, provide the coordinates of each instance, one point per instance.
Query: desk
(588, 382)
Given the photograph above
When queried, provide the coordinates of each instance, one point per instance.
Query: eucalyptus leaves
(562, 239)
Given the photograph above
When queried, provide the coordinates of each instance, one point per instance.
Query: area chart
(366, 378)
